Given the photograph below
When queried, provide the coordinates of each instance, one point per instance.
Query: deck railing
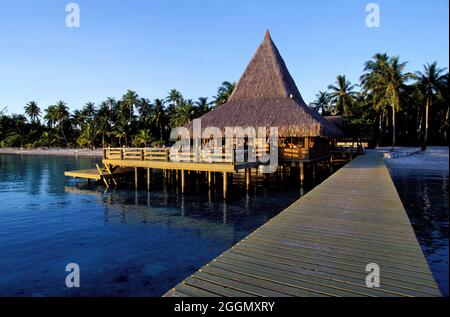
(293, 154)
(164, 155)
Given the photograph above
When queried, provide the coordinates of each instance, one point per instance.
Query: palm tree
(158, 116)
(33, 111)
(122, 130)
(144, 137)
(89, 111)
(111, 103)
(51, 115)
(224, 92)
(202, 106)
(87, 136)
(184, 113)
(430, 82)
(129, 100)
(322, 103)
(78, 118)
(342, 95)
(144, 107)
(62, 115)
(386, 82)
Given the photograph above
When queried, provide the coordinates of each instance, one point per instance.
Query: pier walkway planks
(321, 244)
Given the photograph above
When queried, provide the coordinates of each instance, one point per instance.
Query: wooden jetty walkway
(321, 244)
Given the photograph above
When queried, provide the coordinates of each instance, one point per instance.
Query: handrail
(163, 154)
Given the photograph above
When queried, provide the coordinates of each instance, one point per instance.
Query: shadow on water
(425, 197)
(126, 242)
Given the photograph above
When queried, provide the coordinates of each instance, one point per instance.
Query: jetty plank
(322, 243)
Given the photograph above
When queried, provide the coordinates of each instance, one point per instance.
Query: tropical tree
(129, 101)
(158, 116)
(62, 115)
(342, 95)
(386, 82)
(33, 111)
(430, 82)
(202, 106)
(87, 136)
(78, 119)
(322, 103)
(122, 130)
(144, 137)
(173, 99)
(89, 112)
(51, 115)
(183, 114)
(224, 92)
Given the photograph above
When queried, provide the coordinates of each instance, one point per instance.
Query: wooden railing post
(142, 154)
(167, 155)
(233, 156)
(104, 154)
(121, 154)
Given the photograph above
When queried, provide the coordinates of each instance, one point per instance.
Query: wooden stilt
(182, 180)
(302, 172)
(225, 184)
(136, 181)
(149, 176)
(248, 175)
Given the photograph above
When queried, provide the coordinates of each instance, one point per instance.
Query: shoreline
(435, 158)
(55, 152)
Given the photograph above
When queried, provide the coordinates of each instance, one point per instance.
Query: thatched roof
(266, 96)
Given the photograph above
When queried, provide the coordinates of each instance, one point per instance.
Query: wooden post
(149, 175)
(136, 177)
(248, 173)
(225, 184)
(301, 166)
(209, 179)
(182, 180)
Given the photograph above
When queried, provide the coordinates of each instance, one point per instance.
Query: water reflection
(425, 197)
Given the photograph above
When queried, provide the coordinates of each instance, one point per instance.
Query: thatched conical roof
(266, 96)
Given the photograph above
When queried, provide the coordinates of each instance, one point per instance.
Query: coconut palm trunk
(393, 128)
(425, 136)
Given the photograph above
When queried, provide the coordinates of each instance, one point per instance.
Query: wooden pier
(321, 245)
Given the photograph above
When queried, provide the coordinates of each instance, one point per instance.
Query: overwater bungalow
(266, 96)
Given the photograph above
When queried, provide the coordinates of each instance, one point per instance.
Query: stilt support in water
(225, 184)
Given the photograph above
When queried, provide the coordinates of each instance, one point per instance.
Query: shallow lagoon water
(135, 243)
(424, 194)
(126, 242)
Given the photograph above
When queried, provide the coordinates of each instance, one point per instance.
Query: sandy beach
(434, 158)
(53, 151)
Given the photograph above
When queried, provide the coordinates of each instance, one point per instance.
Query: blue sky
(194, 45)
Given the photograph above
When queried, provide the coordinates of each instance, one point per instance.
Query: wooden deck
(321, 244)
(87, 174)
